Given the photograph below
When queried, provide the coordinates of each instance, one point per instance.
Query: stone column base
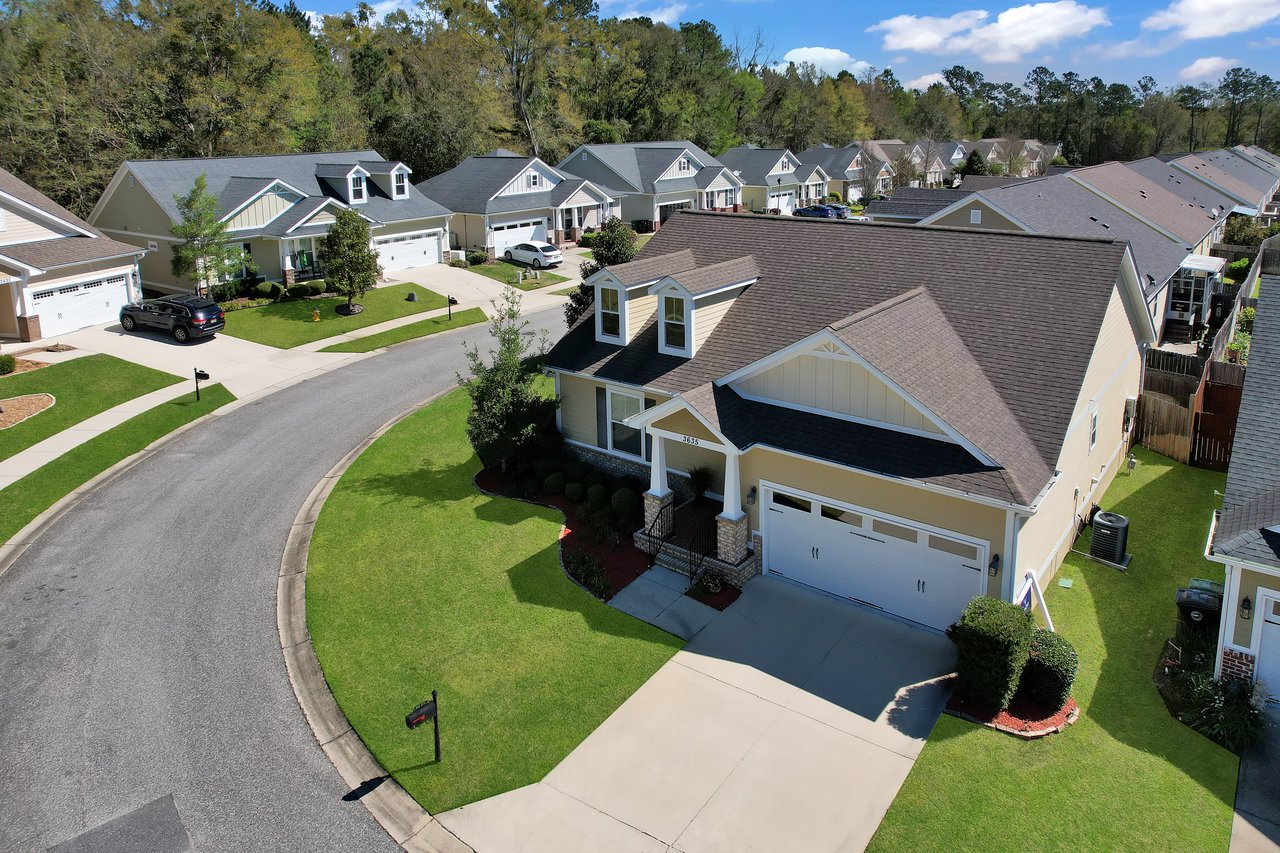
(1237, 665)
(290, 277)
(29, 328)
(731, 538)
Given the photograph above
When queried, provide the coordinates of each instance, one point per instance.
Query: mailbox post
(452, 302)
(424, 712)
(201, 376)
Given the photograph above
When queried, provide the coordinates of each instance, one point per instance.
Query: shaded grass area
(418, 581)
(22, 501)
(408, 332)
(82, 388)
(509, 273)
(1127, 776)
(568, 291)
(290, 324)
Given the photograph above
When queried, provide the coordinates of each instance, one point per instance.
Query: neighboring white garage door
(74, 306)
(915, 572)
(402, 251)
(786, 202)
(533, 231)
(1268, 669)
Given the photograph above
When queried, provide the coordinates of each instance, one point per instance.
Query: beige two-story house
(775, 179)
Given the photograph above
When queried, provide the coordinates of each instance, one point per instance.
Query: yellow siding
(1113, 374)
(708, 313)
(991, 220)
(578, 409)
(8, 317)
(684, 423)
(132, 209)
(926, 507)
(19, 226)
(681, 457)
(1247, 583)
(639, 310)
(263, 210)
(754, 198)
(836, 386)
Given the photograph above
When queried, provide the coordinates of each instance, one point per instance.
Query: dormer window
(684, 165)
(401, 184)
(786, 165)
(674, 337)
(609, 314)
(357, 189)
(533, 180)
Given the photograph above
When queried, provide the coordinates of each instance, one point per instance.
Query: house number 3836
(688, 439)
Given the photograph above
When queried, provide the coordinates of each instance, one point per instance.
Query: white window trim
(533, 180)
(609, 391)
(396, 190)
(1093, 426)
(621, 337)
(687, 350)
(362, 186)
(684, 165)
(975, 217)
(2, 223)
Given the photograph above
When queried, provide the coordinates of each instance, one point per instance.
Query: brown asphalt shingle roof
(706, 279)
(11, 184)
(1027, 309)
(1148, 199)
(652, 267)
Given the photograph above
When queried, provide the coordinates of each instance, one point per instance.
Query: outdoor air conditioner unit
(1110, 538)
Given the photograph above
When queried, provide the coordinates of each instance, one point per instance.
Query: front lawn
(23, 500)
(509, 273)
(420, 329)
(292, 323)
(81, 388)
(417, 582)
(1127, 776)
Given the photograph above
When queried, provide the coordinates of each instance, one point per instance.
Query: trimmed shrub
(576, 469)
(575, 492)
(268, 290)
(627, 507)
(993, 642)
(7, 364)
(1246, 318)
(596, 496)
(554, 483)
(1239, 268)
(1050, 671)
(475, 258)
(458, 263)
(588, 571)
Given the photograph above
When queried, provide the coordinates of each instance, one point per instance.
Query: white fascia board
(45, 215)
(26, 268)
(675, 404)
(1135, 303)
(259, 194)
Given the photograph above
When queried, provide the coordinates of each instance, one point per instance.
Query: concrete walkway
(657, 597)
(1256, 827)
(788, 723)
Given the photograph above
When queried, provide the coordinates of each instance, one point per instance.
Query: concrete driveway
(1256, 828)
(788, 723)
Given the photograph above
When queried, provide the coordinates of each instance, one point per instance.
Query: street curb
(408, 824)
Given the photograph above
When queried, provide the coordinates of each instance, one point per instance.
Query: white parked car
(536, 255)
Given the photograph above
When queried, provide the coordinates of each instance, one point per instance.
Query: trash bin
(1199, 612)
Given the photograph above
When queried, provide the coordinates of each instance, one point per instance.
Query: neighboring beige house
(57, 272)
(277, 207)
(503, 198)
(775, 179)
(1245, 534)
(904, 435)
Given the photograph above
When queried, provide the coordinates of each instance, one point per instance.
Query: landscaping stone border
(52, 402)
(1073, 714)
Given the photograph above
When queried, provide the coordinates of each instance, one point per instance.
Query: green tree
(350, 263)
(974, 164)
(615, 243)
(507, 413)
(205, 255)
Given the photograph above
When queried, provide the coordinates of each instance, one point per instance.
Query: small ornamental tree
(350, 263)
(507, 413)
(974, 164)
(615, 243)
(205, 255)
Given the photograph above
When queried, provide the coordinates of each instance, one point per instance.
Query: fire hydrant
(315, 315)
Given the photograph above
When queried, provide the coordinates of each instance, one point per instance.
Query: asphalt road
(139, 657)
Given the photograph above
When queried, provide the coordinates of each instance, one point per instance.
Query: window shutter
(602, 419)
(649, 403)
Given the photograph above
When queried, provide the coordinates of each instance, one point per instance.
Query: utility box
(1110, 538)
(1199, 611)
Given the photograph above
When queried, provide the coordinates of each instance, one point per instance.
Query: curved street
(139, 655)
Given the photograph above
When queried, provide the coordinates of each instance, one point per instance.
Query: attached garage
(402, 251)
(511, 233)
(1268, 667)
(665, 210)
(786, 202)
(67, 307)
(913, 571)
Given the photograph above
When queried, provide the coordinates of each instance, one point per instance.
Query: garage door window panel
(951, 546)
(897, 531)
(841, 515)
(783, 500)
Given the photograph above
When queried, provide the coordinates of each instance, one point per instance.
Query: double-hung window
(1093, 426)
(675, 330)
(402, 184)
(623, 438)
(534, 180)
(684, 165)
(357, 188)
(610, 313)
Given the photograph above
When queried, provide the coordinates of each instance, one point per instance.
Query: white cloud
(924, 81)
(1206, 67)
(1015, 32)
(1202, 19)
(668, 14)
(1270, 41)
(829, 59)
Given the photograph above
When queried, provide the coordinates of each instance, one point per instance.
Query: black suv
(184, 317)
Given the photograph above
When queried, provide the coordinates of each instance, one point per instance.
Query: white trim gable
(276, 182)
(671, 406)
(45, 215)
(982, 200)
(673, 170)
(549, 178)
(302, 223)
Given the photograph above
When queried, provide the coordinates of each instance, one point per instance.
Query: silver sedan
(536, 255)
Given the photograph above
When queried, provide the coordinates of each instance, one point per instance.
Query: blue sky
(1175, 41)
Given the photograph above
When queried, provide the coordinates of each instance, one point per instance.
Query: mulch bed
(18, 409)
(1021, 719)
(727, 595)
(23, 365)
(623, 562)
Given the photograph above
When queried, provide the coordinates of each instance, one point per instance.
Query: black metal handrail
(662, 529)
(700, 546)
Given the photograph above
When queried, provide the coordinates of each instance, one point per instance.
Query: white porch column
(732, 487)
(658, 468)
(732, 524)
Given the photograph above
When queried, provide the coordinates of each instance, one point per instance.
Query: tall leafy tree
(206, 254)
(350, 263)
(615, 243)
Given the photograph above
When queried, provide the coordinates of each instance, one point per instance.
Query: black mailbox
(202, 376)
(421, 714)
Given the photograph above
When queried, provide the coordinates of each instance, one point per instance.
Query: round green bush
(554, 483)
(268, 290)
(596, 496)
(993, 642)
(575, 492)
(576, 470)
(7, 364)
(626, 505)
(1050, 671)
(545, 466)
(475, 258)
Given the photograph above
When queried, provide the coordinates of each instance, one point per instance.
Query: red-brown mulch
(623, 562)
(727, 595)
(1021, 719)
(23, 365)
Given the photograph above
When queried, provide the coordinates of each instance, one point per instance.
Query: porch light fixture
(751, 496)
(994, 565)
(1246, 608)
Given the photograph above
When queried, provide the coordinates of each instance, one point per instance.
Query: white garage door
(1269, 649)
(533, 231)
(403, 251)
(786, 202)
(74, 306)
(918, 573)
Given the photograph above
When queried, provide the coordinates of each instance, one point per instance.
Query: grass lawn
(290, 324)
(1257, 286)
(508, 273)
(643, 240)
(408, 332)
(589, 255)
(23, 500)
(568, 291)
(417, 581)
(1127, 776)
(82, 388)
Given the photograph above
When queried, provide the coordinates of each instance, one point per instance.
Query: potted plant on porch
(699, 483)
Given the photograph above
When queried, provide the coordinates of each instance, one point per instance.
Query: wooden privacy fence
(1190, 418)
(1165, 426)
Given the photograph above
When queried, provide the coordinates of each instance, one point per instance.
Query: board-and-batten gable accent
(824, 344)
(677, 403)
(673, 170)
(272, 186)
(549, 178)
